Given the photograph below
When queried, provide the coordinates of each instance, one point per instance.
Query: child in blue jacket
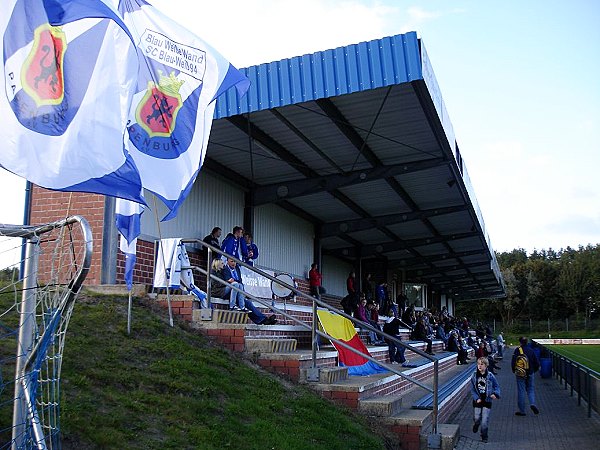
(484, 389)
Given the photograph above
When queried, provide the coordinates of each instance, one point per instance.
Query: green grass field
(172, 388)
(587, 355)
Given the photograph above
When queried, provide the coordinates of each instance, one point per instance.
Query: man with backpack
(524, 365)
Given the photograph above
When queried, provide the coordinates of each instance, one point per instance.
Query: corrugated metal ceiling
(350, 140)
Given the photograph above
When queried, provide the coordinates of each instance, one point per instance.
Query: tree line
(546, 284)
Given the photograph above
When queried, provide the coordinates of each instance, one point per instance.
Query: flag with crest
(179, 78)
(69, 72)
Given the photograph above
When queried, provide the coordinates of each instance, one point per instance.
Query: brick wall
(49, 206)
(143, 273)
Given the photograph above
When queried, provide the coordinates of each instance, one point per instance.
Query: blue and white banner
(69, 68)
(170, 118)
(128, 216)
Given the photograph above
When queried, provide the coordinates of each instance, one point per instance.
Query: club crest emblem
(157, 111)
(42, 75)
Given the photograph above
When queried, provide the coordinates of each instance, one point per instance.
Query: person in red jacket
(315, 279)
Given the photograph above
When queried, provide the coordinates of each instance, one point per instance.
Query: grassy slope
(163, 387)
(587, 355)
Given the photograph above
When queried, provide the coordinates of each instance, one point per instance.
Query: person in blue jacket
(484, 389)
(251, 249)
(234, 245)
(525, 385)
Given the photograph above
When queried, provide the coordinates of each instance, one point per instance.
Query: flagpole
(169, 302)
(129, 314)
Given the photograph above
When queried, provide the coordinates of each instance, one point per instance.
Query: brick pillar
(48, 206)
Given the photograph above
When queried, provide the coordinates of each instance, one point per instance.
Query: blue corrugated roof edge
(328, 73)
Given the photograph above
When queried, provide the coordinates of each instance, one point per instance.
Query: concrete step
(327, 375)
(219, 316)
(258, 345)
(380, 405)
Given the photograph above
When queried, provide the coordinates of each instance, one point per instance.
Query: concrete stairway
(284, 349)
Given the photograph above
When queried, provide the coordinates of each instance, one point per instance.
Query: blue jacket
(235, 247)
(491, 386)
(254, 248)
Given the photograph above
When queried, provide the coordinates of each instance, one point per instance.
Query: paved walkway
(561, 424)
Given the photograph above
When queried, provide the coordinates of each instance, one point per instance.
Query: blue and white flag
(128, 216)
(69, 68)
(170, 118)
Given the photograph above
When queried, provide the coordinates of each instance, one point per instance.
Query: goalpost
(35, 309)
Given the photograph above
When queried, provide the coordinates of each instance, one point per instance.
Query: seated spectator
(441, 334)
(315, 280)
(231, 273)
(483, 351)
(454, 346)
(395, 350)
(238, 301)
(251, 250)
(361, 310)
(217, 289)
(373, 316)
(409, 317)
(421, 334)
(212, 239)
(234, 245)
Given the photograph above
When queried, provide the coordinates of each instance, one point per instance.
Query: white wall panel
(284, 240)
(335, 272)
(212, 202)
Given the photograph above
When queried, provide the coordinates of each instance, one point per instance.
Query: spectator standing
(401, 300)
(212, 239)
(525, 380)
(382, 299)
(367, 287)
(234, 245)
(484, 389)
(353, 299)
(315, 279)
(251, 249)
(500, 345)
(395, 350)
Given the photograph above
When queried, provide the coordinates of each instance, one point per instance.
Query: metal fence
(582, 380)
(550, 326)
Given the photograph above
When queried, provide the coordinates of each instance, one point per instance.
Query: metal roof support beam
(400, 244)
(444, 270)
(230, 175)
(247, 127)
(305, 139)
(349, 226)
(274, 192)
(435, 258)
(348, 130)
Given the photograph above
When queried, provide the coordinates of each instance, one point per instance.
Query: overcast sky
(520, 79)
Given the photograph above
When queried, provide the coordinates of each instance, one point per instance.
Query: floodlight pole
(25, 340)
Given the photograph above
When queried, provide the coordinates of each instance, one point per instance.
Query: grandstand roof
(357, 140)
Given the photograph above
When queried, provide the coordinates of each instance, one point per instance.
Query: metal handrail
(315, 332)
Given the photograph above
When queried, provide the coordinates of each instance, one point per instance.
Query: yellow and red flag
(342, 329)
